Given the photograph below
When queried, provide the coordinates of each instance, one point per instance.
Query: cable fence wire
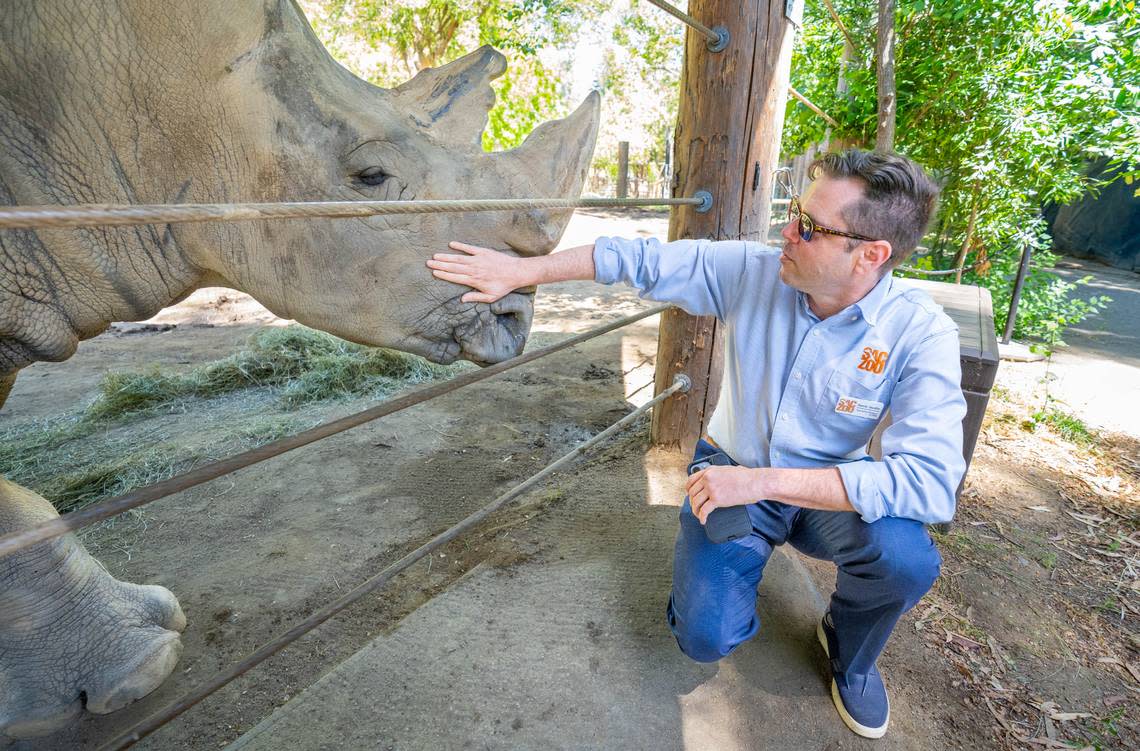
(940, 272)
(91, 215)
(157, 720)
(59, 526)
(928, 272)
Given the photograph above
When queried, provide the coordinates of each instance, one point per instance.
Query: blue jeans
(884, 569)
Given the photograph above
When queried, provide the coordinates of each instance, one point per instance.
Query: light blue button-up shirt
(798, 391)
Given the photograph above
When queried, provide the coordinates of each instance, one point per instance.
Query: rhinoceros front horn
(556, 155)
(451, 103)
(551, 163)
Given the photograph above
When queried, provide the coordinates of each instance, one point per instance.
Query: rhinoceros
(214, 101)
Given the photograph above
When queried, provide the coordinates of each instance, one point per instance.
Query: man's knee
(906, 562)
(708, 636)
(705, 644)
(913, 575)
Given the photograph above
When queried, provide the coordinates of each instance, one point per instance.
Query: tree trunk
(728, 127)
(623, 170)
(885, 57)
(960, 259)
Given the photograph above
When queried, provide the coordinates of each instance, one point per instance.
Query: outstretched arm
(699, 276)
(493, 274)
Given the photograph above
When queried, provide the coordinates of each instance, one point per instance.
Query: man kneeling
(820, 340)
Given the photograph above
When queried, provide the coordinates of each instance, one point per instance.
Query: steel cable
(91, 215)
(717, 38)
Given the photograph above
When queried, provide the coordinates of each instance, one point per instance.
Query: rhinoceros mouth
(490, 333)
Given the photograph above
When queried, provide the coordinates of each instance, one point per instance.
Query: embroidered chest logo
(874, 360)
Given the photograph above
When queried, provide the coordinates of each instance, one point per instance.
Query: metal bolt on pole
(718, 37)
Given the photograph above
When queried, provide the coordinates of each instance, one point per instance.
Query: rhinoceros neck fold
(58, 287)
(58, 290)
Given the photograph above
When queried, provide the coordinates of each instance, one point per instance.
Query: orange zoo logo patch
(845, 405)
(874, 360)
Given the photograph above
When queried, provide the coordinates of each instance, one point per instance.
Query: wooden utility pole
(728, 143)
(885, 75)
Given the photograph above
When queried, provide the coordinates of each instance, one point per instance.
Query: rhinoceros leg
(71, 635)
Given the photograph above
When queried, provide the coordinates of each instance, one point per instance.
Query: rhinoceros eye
(372, 176)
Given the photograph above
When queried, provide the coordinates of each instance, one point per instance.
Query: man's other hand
(491, 273)
(716, 487)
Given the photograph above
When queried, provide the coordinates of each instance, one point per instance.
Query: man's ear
(874, 254)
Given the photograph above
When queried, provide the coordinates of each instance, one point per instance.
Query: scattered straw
(147, 426)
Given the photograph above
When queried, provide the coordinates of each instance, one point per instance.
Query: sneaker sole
(848, 720)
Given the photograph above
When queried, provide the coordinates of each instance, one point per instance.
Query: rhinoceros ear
(452, 101)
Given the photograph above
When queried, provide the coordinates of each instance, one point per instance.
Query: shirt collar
(872, 302)
(869, 306)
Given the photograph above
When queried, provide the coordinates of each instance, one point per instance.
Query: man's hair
(898, 197)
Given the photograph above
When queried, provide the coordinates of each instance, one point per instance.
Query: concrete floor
(569, 650)
(1097, 375)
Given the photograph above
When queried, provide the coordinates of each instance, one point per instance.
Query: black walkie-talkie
(729, 522)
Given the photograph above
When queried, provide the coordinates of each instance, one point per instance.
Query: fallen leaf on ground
(1068, 716)
(999, 716)
(1094, 521)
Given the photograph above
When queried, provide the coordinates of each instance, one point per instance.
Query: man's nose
(789, 232)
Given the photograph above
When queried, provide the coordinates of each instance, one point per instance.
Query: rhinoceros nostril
(514, 325)
(509, 305)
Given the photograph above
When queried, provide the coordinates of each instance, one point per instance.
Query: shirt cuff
(863, 482)
(607, 262)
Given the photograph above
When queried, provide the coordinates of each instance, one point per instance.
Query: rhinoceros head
(334, 136)
(225, 101)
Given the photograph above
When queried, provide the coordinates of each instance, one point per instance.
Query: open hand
(491, 273)
(718, 486)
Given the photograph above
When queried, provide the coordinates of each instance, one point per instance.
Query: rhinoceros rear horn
(452, 101)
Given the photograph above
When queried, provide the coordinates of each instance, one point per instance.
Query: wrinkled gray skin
(219, 101)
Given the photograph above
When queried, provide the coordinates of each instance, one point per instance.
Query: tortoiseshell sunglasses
(805, 225)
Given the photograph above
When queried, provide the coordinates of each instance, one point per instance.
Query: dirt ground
(1029, 639)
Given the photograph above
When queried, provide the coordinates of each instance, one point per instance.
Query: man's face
(823, 266)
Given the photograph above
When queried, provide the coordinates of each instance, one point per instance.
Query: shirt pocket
(849, 410)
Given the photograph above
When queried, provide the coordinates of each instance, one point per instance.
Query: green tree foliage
(640, 75)
(1007, 102)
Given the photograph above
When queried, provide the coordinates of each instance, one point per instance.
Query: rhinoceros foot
(71, 635)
